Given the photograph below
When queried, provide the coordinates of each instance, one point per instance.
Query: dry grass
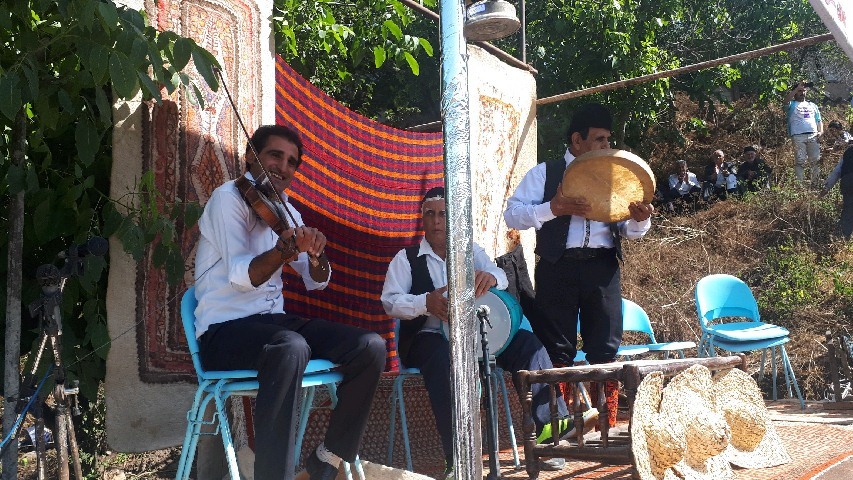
(783, 242)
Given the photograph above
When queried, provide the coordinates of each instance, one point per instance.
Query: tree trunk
(11, 384)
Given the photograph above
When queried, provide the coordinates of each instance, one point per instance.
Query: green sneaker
(564, 424)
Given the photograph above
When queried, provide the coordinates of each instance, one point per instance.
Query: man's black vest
(551, 238)
(421, 283)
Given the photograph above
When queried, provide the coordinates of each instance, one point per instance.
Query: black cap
(591, 115)
(749, 148)
(434, 193)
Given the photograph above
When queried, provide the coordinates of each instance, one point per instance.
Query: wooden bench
(613, 450)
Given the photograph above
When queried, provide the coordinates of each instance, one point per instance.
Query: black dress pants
(590, 287)
(279, 346)
(430, 352)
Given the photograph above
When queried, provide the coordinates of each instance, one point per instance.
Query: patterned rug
(360, 183)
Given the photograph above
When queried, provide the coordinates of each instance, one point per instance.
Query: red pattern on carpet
(360, 183)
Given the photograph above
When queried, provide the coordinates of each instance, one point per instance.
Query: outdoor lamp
(490, 20)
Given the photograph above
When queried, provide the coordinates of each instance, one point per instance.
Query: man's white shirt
(399, 303)
(232, 235)
(526, 209)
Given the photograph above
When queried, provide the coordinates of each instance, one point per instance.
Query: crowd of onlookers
(720, 178)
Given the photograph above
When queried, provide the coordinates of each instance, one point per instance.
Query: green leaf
(204, 64)
(181, 53)
(109, 14)
(47, 114)
(10, 95)
(426, 46)
(100, 338)
(43, 220)
(150, 87)
(32, 81)
(199, 97)
(139, 52)
(122, 75)
(88, 140)
(105, 113)
(133, 240)
(378, 56)
(393, 28)
(99, 61)
(113, 220)
(413, 64)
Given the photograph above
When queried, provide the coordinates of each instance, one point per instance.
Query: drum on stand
(504, 315)
(609, 180)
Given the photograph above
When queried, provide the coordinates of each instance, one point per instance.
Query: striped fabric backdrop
(360, 184)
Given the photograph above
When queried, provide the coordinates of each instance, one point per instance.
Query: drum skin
(505, 316)
(609, 180)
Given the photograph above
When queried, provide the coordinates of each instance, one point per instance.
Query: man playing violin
(241, 322)
(415, 292)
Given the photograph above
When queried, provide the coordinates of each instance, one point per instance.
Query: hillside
(783, 242)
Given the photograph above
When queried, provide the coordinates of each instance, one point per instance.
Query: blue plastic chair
(219, 385)
(719, 296)
(635, 319)
(397, 400)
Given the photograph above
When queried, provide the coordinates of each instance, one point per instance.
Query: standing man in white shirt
(578, 269)
(414, 292)
(241, 322)
(805, 128)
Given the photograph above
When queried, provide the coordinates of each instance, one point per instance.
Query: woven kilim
(360, 183)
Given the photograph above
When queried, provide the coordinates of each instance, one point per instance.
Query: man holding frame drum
(578, 269)
(414, 292)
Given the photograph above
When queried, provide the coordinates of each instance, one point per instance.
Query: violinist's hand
(436, 303)
(483, 281)
(310, 240)
(640, 211)
(562, 205)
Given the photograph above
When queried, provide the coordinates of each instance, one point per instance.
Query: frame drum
(610, 180)
(505, 316)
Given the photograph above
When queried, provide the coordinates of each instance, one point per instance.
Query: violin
(262, 198)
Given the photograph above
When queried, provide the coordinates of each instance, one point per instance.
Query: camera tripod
(47, 308)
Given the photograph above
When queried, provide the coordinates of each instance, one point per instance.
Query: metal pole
(523, 36)
(468, 448)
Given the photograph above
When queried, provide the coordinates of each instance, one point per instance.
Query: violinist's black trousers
(279, 346)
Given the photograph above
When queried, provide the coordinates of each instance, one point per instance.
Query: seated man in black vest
(414, 292)
(578, 268)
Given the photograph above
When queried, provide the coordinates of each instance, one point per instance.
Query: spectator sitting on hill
(843, 172)
(753, 173)
(684, 188)
(719, 179)
(839, 138)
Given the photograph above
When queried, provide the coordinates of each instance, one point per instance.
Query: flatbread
(610, 180)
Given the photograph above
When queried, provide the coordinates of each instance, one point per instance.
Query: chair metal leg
(509, 425)
(392, 425)
(796, 386)
(405, 428)
(225, 431)
(775, 369)
(307, 403)
(763, 360)
(195, 420)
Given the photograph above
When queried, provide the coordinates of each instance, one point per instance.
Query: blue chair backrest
(635, 319)
(188, 304)
(722, 295)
